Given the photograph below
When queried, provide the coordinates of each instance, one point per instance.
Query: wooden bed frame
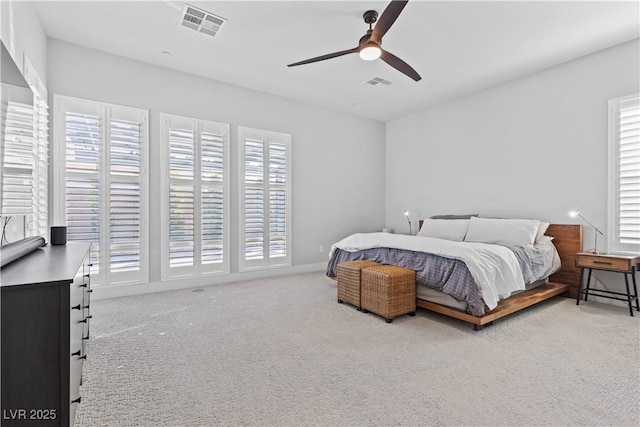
(568, 242)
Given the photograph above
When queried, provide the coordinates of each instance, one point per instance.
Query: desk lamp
(577, 213)
(406, 212)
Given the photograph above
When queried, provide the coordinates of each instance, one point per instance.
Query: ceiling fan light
(370, 52)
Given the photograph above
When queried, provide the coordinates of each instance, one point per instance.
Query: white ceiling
(457, 47)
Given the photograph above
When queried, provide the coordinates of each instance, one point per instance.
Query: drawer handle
(76, 307)
(603, 262)
(84, 285)
(77, 400)
(87, 275)
(86, 306)
(77, 353)
(82, 321)
(89, 291)
(89, 317)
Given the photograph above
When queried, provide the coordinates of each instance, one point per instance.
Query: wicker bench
(348, 276)
(388, 291)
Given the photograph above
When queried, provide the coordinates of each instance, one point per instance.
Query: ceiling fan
(369, 46)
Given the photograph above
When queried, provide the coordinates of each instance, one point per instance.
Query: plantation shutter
(125, 221)
(82, 183)
(38, 222)
(18, 159)
(196, 192)
(254, 224)
(626, 173)
(212, 166)
(181, 197)
(265, 199)
(104, 179)
(278, 212)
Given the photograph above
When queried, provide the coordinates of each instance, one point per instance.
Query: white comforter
(494, 268)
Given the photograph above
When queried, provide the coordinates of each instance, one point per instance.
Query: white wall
(337, 159)
(535, 147)
(22, 33)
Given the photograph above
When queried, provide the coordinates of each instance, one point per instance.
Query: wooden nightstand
(625, 264)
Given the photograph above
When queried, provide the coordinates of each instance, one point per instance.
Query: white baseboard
(115, 291)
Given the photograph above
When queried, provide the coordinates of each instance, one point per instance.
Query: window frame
(198, 126)
(105, 112)
(613, 227)
(267, 137)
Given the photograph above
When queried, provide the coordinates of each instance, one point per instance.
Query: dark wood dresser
(45, 303)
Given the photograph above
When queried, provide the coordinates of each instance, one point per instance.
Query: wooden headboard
(567, 239)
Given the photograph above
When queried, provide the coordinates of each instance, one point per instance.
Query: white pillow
(506, 232)
(448, 229)
(542, 228)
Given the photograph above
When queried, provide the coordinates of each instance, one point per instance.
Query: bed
(453, 272)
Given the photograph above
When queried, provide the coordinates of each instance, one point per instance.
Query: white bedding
(494, 268)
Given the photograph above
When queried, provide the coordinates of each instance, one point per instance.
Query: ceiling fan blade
(399, 65)
(323, 57)
(387, 19)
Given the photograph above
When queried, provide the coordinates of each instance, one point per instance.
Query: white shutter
(629, 172)
(181, 197)
(212, 166)
(254, 215)
(195, 193)
(39, 225)
(278, 208)
(38, 222)
(102, 150)
(265, 191)
(82, 184)
(18, 159)
(625, 171)
(125, 204)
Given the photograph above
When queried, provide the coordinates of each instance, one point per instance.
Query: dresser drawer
(603, 263)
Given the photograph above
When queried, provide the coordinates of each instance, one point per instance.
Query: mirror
(16, 139)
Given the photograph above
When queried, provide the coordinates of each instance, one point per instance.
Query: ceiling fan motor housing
(370, 16)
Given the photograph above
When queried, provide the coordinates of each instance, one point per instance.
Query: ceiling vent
(201, 21)
(378, 80)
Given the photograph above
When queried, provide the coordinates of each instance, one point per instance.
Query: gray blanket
(451, 276)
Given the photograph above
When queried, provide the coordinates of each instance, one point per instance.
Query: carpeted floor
(282, 352)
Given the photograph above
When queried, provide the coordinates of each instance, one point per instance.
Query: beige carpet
(283, 352)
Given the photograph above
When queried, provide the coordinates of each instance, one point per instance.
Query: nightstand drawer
(603, 262)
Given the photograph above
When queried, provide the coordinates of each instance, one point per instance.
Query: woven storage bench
(348, 274)
(388, 291)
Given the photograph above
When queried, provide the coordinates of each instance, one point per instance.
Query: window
(101, 185)
(18, 157)
(37, 223)
(195, 193)
(624, 174)
(265, 199)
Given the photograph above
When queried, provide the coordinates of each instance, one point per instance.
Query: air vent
(201, 21)
(379, 80)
